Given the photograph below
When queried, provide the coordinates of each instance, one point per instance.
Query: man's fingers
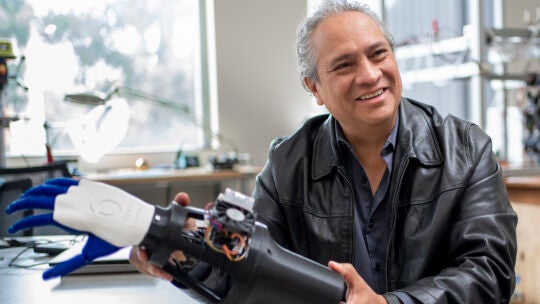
(190, 224)
(337, 267)
(178, 256)
(137, 255)
(159, 273)
(182, 198)
(139, 258)
(358, 291)
(346, 270)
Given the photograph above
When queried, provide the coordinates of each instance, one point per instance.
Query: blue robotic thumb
(93, 249)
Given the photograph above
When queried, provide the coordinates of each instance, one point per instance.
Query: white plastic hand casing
(108, 212)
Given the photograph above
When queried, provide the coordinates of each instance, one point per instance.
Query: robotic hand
(111, 217)
(259, 270)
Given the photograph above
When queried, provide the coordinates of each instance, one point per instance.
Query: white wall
(513, 11)
(259, 93)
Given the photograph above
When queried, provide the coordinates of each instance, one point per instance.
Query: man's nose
(368, 73)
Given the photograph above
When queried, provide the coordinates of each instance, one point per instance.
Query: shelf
(442, 73)
(441, 47)
(509, 35)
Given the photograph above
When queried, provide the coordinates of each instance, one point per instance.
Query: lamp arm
(168, 104)
(162, 102)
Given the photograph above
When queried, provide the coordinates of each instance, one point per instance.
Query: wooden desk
(524, 193)
(523, 189)
(201, 174)
(158, 186)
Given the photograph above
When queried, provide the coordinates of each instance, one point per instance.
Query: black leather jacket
(452, 228)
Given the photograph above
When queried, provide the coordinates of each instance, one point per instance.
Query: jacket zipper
(393, 214)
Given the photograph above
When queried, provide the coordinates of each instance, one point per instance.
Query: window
(434, 21)
(147, 46)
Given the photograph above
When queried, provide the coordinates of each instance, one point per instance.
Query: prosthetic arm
(260, 271)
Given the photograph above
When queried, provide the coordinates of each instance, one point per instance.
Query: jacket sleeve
(267, 201)
(482, 236)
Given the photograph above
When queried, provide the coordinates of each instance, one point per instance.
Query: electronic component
(230, 221)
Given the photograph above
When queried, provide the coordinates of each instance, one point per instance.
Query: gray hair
(307, 62)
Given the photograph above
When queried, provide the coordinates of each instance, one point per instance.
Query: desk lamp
(102, 98)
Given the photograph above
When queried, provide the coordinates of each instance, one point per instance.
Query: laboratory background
(161, 96)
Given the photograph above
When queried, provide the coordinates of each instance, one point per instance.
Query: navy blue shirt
(371, 212)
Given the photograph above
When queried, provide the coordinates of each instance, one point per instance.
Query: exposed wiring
(25, 246)
(234, 245)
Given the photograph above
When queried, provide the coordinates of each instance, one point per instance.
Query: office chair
(10, 191)
(36, 175)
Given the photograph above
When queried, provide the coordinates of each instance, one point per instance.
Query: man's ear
(312, 87)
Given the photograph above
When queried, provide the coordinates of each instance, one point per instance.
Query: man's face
(359, 81)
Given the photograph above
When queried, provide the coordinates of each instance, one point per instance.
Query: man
(409, 207)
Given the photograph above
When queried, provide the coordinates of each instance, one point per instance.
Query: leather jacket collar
(416, 138)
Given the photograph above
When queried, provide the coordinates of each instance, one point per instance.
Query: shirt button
(370, 224)
(364, 180)
(377, 267)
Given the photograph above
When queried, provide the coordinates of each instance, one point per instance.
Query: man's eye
(380, 52)
(342, 66)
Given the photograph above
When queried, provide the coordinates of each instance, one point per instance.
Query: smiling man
(412, 205)
(358, 82)
(408, 206)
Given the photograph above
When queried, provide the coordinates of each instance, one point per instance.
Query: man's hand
(358, 291)
(139, 257)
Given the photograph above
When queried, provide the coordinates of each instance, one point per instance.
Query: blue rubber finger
(63, 182)
(46, 190)
(65, 267)
(31, 202)
(32, 221)
(93, 249)
(96, 247)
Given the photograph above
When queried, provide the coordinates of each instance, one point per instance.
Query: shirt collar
(389, 144)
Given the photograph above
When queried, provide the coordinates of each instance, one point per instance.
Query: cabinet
(524, 193)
